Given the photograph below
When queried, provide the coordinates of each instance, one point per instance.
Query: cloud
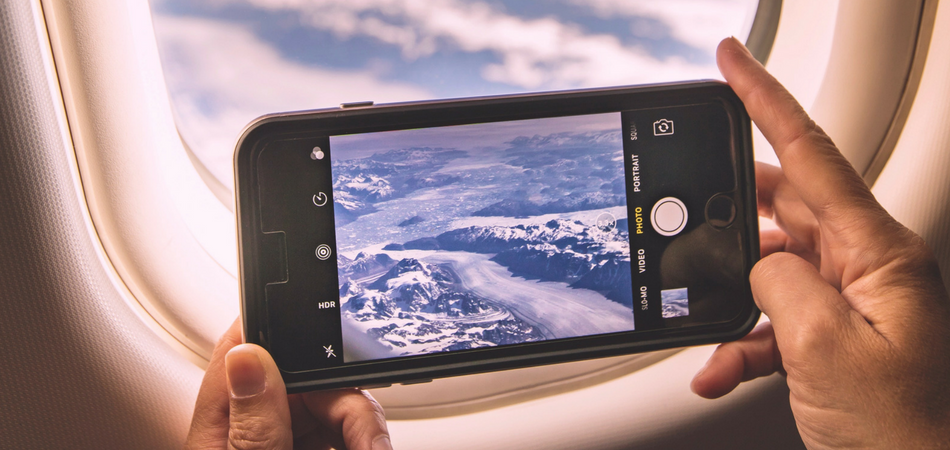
(220, 77)
(698, 23)
(540, 53)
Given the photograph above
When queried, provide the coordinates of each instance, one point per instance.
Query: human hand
(243, 404)
(860, 319)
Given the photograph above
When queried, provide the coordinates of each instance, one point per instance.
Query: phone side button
(356, 104)
(375, 386)
(407, 383)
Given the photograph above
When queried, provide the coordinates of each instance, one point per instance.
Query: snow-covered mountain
(611, 276)
(569, 203)
(362, 187)
(360, 183)
(675, 303)
(562, 233)
(364, 265)
(416, 307)
(412, 221)
(558, 250)
(566, 149)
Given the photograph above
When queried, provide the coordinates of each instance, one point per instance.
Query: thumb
(260, 415)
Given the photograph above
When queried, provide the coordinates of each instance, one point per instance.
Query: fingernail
(246, 376)
(701, 371)
(382, 443)
(742, 46)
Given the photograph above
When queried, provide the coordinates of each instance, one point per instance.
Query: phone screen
(483, 235)
(503, 234)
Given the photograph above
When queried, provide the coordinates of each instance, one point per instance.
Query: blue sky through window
(229, 61)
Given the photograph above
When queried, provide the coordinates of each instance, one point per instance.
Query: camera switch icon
(663, 127)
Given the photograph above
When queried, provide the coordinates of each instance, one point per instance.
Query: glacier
(459, 246)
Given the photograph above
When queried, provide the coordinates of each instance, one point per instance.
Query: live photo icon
(662, 127)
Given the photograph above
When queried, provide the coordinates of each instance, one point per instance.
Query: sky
(469, 137)
(227, 62)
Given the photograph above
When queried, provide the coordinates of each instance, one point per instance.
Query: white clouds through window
(229, 61)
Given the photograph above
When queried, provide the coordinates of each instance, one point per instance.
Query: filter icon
(317, 153)
(323, 252)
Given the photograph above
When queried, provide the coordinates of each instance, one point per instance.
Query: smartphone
(403, 242)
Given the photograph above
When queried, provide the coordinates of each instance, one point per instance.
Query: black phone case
(474, 110)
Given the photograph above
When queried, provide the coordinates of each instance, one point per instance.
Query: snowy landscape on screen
(482, 235)
(675, 303)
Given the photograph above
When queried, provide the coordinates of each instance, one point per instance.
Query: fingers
(317, 439)
(772, 241)
(243, 404)
(303, 422)
(823, 178)
(777, 200)
(768, 178)
(753, 356)
(209, 424)
(310, 433)
(354, 414)
(809, 315)
(259, 413)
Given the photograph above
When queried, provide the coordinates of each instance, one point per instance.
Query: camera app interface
(525, 232)
(482, 235)
(505, 234)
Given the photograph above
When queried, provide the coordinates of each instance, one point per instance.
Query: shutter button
(668, 216)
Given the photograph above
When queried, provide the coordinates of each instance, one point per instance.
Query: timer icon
(320, 199)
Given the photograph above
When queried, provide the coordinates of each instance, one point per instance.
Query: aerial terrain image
(482, 235)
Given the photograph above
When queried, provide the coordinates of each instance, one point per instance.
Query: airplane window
(229, 61)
